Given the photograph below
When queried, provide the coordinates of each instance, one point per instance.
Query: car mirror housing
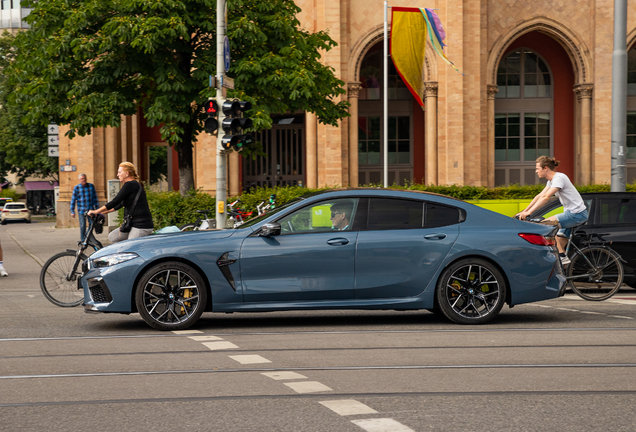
(270, 229)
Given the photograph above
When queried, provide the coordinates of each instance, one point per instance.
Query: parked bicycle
(595, 271)
(200, 224)
(60, 276)
(237, 216)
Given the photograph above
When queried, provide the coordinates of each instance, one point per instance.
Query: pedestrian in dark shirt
(141, 218)
(85, 197)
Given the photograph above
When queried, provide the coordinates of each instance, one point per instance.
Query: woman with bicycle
(133, 198)
(575, 212)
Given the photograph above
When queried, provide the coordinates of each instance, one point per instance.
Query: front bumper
(110, 289)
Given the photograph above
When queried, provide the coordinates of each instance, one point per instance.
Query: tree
(23, 147)
(87, 62)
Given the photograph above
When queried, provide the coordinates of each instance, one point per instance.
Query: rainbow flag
(410, 27)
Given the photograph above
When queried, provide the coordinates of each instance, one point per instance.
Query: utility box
(113, 190)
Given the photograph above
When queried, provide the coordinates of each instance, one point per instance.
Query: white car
(15, 211)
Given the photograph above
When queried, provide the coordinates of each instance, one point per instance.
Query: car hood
(160, 240)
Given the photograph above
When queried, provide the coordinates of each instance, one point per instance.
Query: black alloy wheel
(171, 296)
(471, 291)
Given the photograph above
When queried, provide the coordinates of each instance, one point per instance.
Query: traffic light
(212, 110)
(234, 125)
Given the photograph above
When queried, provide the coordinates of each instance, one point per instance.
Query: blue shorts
(568, 220)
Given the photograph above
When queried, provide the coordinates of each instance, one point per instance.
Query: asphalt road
(559, 365)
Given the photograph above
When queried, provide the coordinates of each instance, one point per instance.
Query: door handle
(438, 236)
(338, 241)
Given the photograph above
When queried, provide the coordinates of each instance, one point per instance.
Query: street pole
(221, 170)
(619, 96)
(385, 137)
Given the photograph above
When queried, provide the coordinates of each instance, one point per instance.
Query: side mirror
(270, 229)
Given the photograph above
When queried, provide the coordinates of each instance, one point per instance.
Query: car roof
(379, 189)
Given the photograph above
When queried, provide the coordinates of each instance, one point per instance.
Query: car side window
(387, 213)
(438, 215)
(617, 211)
(324, 216)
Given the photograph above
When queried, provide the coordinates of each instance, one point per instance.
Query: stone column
(584, 96)
(492, 91)
(312, 166)
(430, 157)
(353, 92)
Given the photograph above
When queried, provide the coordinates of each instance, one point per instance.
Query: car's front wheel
(171, 296)
(471, 291)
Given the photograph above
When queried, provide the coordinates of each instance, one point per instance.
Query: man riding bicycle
(575, 212)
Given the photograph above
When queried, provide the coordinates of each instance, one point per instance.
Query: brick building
(537, 80)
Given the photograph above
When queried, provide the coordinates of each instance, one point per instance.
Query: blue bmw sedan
(338, 249)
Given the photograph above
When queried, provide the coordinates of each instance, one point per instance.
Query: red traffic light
(211, 107)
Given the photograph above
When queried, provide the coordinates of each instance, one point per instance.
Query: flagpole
(386, 95)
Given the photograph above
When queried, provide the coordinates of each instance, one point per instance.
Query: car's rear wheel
(171, 296)
(471, 291)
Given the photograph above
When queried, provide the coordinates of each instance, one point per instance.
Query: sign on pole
(226, 53)
(53, 139)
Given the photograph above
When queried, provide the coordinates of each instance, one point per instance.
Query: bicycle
(237, 216)
(200, 224)
(60, 275)
(595, 271)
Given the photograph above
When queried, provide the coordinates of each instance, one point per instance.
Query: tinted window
(14, 206)
(387, 213)
(617, 211)
(331, 215)
(440, 215)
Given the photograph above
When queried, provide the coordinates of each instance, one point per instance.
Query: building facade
(536, 80)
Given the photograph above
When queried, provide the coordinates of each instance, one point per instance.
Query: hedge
(170, 208)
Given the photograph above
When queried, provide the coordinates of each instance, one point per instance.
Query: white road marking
(250, 359)
(284, 375)
(30, 296)
(219, 345)
(618, 316)
(569, 310)
(348, 407)
(623, 302)
(180, 332)
(381, 425)
(307, 387)
(204, 338)
(592, 313)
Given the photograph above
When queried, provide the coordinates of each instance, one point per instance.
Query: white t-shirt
(567, 193)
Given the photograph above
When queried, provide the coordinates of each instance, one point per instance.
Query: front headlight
(114, 259)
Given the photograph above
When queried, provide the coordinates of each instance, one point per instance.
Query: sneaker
(565, 260)
(3, 273)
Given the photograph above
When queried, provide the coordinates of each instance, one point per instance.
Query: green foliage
(87, 62)
(170, 208)
(10, 193)
(23, 148)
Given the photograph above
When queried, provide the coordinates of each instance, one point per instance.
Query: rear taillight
(25, 210)
(5, 211)
(537, 239)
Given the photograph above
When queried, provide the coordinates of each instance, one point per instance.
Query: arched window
(523, 116)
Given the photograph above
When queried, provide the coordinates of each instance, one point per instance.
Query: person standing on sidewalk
(3, 272)
(86, 198)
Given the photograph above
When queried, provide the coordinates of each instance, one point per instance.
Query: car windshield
(257, 219)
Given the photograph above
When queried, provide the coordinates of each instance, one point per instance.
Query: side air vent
(223, 262)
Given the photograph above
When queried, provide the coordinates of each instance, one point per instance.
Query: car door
(403, 245)
(308, 261)
(615, 218)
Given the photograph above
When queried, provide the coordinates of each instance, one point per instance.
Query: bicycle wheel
(59, 280)
(595, 273)
(188, 227)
